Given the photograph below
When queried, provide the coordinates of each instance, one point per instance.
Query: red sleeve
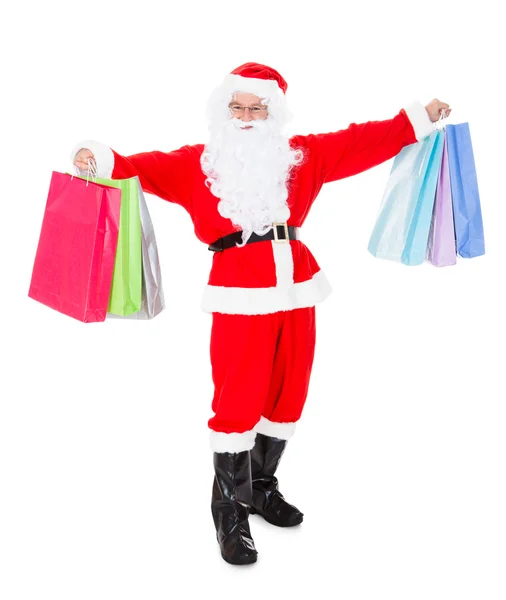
(167, 175)
(360, 147)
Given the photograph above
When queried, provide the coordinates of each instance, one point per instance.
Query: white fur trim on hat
(104, 157)
(420, 120)
(264, 88)
(232, 442)
(281, 431)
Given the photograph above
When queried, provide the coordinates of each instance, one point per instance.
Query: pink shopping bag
(74, 262)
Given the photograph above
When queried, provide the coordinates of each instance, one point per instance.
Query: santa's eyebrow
(239, 104)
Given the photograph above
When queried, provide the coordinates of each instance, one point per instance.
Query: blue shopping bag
(465, 195)
(402, 227)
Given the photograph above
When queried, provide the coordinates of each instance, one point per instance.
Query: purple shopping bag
(441, 248)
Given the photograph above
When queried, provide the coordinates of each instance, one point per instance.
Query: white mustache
(238, 124)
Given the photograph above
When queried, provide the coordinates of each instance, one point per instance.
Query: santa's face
(247, 161)
(247, 108)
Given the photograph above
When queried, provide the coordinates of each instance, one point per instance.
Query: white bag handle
(90, 171)
(440, 120)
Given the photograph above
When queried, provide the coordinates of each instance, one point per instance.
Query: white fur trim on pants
(232, 442)
(104, 157)
(281, 431)
(420, 120)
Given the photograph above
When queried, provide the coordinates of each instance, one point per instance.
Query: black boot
(230, 506)
(268, 501)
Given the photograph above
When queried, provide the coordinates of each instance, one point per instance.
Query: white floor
(106, 488)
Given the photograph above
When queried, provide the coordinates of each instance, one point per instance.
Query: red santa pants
(261, 365)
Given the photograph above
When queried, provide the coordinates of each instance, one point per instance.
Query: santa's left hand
(435, 109)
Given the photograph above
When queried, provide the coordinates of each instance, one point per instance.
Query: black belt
(281, 233)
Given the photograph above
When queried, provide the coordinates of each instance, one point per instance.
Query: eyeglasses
(237, 109)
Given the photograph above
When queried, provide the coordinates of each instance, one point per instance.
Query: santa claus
(248, 192)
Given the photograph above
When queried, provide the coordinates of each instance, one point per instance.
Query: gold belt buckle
(276, 239)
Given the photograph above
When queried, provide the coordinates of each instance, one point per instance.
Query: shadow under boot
(230, 503)
(268, 501)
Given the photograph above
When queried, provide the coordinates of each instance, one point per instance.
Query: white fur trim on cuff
(103, 157)
(281, 431)
(232, 442)
(420, 120)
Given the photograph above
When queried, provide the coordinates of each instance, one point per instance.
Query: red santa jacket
(265, 277)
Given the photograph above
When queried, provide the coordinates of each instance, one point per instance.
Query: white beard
(248, 170)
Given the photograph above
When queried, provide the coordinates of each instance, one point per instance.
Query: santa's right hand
(82, 157)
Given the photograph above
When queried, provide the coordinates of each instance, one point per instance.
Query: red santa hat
(254, 78)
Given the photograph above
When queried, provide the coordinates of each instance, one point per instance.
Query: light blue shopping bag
(402, 227)
(465, 194)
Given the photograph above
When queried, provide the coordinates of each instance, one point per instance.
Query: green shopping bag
(126, 288)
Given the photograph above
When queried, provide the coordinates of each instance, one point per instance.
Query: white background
(398, 462)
